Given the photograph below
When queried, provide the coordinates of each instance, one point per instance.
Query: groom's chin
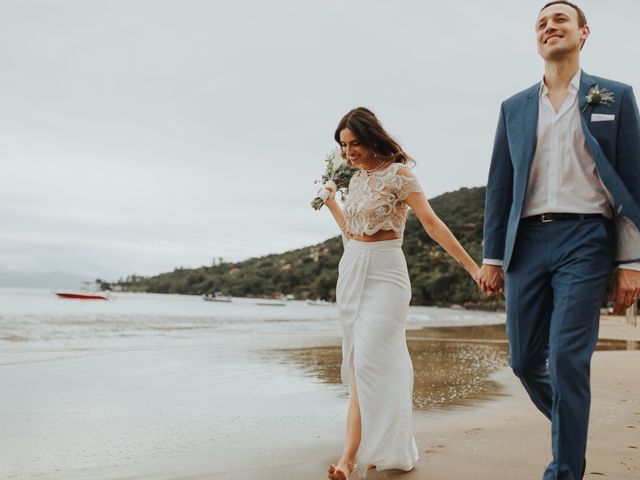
(558, 48)
(554, 53)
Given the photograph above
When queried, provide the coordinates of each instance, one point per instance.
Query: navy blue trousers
(553, 290)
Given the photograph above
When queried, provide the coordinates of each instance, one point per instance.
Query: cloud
(139, 136)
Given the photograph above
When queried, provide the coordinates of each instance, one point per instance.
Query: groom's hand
(491, 279)
(626, 290)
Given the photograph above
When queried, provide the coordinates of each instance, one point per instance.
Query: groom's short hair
(582, 19)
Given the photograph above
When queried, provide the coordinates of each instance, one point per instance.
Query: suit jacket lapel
(530, 127)
(527, 140)
(586, 82)
(604, 166)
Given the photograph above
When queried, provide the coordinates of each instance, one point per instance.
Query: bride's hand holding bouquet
(335, 179)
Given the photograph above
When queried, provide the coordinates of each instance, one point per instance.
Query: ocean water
(166, 386)
(37, 320)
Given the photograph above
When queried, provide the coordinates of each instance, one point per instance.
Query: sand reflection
(452, 365)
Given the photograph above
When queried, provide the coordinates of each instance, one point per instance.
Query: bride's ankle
(349, 463)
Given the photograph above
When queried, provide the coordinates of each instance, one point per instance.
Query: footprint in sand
(435, 448)
(473, 431)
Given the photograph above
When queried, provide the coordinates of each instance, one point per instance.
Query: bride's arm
(336, 211)
(437, 230)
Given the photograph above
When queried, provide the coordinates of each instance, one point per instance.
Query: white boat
(216, 298)
(320, 303)
(272, 303)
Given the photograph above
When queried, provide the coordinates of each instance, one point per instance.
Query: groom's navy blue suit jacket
(614, 146)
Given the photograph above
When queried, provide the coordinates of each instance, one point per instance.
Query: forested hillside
(311, 272)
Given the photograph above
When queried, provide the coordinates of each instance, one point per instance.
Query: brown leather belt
(554, 217)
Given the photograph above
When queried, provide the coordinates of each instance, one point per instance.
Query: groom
(562, 206)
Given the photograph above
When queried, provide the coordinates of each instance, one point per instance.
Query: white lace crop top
(376, 201)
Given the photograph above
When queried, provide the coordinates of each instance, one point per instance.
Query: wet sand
(240, 406)
(452, 365)
(506, 437)
(446, 373)
(509, 438)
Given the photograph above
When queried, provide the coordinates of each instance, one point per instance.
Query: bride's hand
(475, 274)
(330, 187)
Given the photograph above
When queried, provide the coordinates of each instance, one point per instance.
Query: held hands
(626, 290)
(490, 279)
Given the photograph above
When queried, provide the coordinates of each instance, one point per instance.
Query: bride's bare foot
(341, 471)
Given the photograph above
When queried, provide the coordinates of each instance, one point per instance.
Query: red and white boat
(82, 295)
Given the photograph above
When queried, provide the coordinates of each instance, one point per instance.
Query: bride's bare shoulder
(404, 171)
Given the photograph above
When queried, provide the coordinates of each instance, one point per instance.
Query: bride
(373, 294)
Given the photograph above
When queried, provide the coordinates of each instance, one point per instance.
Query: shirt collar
(574, 84)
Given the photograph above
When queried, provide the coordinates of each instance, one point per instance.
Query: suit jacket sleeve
(628, 168)
(499, 193)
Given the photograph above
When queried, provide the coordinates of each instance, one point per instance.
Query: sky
(140, 136)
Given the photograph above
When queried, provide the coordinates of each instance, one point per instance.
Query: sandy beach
(511, 439)
(506, 437)
(164, 387)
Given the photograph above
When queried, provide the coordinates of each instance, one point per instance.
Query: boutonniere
(596, 96)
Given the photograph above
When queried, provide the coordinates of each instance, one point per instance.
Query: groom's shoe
(548, 473)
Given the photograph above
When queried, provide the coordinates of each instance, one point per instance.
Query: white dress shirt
(563, 175)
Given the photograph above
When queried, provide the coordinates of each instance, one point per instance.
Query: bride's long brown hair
(369, 131)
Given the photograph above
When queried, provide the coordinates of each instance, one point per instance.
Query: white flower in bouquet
(337, 171)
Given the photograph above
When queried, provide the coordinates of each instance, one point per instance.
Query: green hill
(311, 272)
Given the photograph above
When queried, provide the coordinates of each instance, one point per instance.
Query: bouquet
(337, 171)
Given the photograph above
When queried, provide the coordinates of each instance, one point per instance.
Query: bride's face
(359, 155)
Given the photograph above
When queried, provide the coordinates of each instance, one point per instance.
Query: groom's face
(558, 33)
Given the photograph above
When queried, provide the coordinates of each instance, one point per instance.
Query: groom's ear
(585, 33)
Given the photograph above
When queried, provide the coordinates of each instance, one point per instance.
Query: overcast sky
(137, 136)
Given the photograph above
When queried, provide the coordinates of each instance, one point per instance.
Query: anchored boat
(82, 295)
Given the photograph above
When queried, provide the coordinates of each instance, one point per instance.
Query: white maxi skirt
(373, 294)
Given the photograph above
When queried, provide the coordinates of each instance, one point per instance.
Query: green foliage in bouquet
(338, 171)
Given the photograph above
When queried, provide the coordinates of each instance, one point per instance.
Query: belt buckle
(545, 219)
